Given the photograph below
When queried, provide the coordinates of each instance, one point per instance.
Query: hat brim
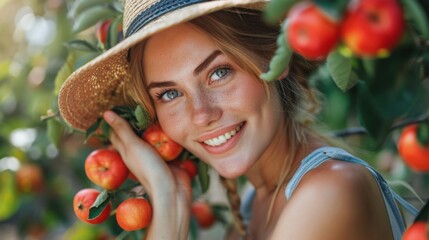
(98, 85)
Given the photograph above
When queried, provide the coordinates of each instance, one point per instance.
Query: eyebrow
(160, 84)
(206, 62)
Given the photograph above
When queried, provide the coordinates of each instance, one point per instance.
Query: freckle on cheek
(172, 122)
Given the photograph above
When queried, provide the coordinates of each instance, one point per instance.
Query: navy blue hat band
(156, 10)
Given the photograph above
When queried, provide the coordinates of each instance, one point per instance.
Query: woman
(195, 70)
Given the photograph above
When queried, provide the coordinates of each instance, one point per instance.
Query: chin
(230, 175)
(230, 171)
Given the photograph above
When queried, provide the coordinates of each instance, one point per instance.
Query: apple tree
(373, 67)
(376, 53)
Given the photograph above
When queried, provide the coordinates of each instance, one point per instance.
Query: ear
(284, 74)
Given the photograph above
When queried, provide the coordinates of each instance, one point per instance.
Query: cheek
(250, 96)
(173, 123)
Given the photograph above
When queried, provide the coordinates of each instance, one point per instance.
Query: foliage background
(32, 51)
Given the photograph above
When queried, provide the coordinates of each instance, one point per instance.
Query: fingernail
(109, 116)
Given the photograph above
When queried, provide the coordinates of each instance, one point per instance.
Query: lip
(226, 146)
(218, 132)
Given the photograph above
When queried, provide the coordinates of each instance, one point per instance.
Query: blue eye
(220, 73)
(168, 95)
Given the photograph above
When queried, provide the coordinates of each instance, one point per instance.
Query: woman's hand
(168, 187)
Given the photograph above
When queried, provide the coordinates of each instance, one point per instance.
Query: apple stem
(374, 17)
(113, 212)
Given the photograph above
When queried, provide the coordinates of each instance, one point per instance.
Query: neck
(279, 160)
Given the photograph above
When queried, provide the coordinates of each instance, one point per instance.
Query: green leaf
(123, 110)
(402, 68)
(381, 104)
(423, 134)
(81, 45)
(80, 6)
(91, 16)
(99, 205)
(417, 16)
(334, 8)
(81, 230)
(340, 68)
(387, 95)
(4, 69)
(277, 9)
(219, 211)
(91, 130)
(113, 36)
(193, 229)
(54, 130)
(65, 71)
(105, 128)
(372, 115)
(142, 116)
(8, 196)
(203, 175)
(281, 58)
(423, 215)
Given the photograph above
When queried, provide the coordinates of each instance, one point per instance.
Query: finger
(117, 144)
(120, 127)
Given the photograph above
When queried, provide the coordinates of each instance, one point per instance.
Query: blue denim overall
(323, 154)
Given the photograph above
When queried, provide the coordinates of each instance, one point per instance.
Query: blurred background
(38, 177)
(41, 162)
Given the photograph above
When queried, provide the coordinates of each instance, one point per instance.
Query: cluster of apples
(106, 169)
(368, 28)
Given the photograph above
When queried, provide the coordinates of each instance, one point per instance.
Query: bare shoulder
(337, 200)
(341, 185)
(336, 177)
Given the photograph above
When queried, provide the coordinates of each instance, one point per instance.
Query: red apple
(417, 231)
(102, 30)
(134, 214)
(106, 168)
(190, 167)
(203, 214)
(310, 31)
(82, 202)
(414, 154)
(167, 148)
(372, 27)
(29, 178)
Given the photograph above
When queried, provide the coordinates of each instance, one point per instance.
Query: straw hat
(98, 85)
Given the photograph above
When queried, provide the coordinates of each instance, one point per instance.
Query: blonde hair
(244, 37)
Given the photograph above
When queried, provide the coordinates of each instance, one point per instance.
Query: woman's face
(205, 102)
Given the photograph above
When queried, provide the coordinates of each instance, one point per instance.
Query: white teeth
(222, 138)
(228, 135)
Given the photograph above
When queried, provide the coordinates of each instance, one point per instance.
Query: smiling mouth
(219, 140)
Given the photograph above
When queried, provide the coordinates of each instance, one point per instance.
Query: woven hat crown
(134, 8)
(138, 13)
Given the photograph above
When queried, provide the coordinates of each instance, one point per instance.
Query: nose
(205, 109)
